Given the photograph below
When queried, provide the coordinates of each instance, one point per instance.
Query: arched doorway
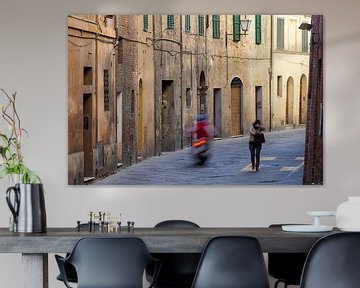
(140, 120)
(202, 92)
(290, 101)
(119, 131)
(236, 107)
(303, 100)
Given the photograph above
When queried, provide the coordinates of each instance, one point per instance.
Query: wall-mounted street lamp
(245, 25)
(305, 26)
(244, 28)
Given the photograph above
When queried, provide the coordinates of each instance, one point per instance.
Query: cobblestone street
(282, 160)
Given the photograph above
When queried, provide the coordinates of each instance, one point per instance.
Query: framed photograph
(195, 99)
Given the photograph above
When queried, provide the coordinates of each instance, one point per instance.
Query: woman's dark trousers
(255, 155)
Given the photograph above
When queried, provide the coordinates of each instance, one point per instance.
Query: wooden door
(290, 101)
(217, 113)
(235, 110)
(167, 116)
(258, 103)
(303, 100)
(87, 135)
(140, 121)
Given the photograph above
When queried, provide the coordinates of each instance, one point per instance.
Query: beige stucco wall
(290, 62)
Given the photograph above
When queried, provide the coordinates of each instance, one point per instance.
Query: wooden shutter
(305, 41)
(201, 25)
(170, 21)
(146, 23)
(257, 29)
(280, 34)
(187, 23)
(216, 26)
(236, 28)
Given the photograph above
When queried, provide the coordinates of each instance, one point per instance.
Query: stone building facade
(135, 84)
(201, 67)
(91, 97)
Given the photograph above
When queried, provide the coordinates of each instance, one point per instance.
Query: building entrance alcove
(202, 93)
(167, 116)
(303, 100)
(140, 121)
(87, 135)
(217, 113)
(236, 107)
(289, 119)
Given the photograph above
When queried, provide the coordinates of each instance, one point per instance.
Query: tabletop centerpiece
(25, 197)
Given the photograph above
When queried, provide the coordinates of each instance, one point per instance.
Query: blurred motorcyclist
(202, 139)
(202, 128)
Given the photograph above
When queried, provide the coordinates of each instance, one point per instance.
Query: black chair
(108, 263)
(69, 269)
(333, 262)
(178, 269)
(232, 262)
(286, 267)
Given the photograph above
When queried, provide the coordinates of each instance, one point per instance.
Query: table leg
(35, 270)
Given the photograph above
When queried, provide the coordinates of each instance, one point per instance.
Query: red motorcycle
(200, 150)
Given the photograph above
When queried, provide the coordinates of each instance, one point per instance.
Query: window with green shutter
(201, 25)
(216, 26)
(257, 29)
(236, 28)
(170, 22)
(187, 23)
(146, 23)
(305, 41)
(280, 34)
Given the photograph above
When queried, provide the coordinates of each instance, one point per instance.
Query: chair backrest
(232, 262)
(333, 262)
(286, 266)
(176, 224)
(177, 267)
(110, 262)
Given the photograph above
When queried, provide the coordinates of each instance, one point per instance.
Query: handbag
(259, 138)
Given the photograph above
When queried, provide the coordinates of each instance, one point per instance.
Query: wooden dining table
(35, 247)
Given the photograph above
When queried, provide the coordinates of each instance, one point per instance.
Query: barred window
(132, 102)
(106, 90)
(188, 97)
(279, 86)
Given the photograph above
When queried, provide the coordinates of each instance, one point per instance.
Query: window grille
(106, 90)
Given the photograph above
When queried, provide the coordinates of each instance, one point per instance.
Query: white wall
(33, 62)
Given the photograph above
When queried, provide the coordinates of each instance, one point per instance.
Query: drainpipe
(96, 80)
(181, 86)
(155, 83)
(271, 72)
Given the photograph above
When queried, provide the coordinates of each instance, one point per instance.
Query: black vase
(28, 208)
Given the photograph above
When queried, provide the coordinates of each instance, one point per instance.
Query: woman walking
(255, 143)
